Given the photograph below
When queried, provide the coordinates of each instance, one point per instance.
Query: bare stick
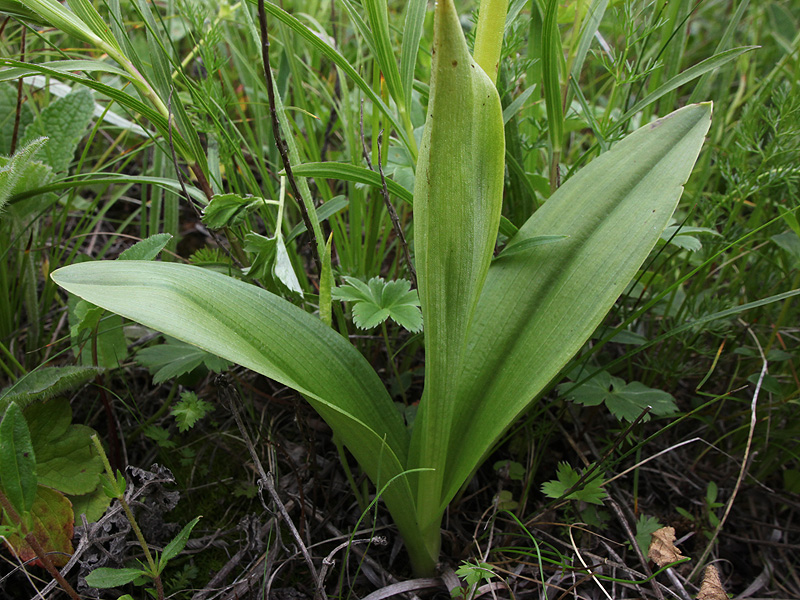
(393, 215)
(276, 131)
(385, 192)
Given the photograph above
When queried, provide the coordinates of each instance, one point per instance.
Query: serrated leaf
(591, 492)
(106, 577)
(17, 460)
(378, 300)
(624, 400)
(190, 409)
(64, 122)
(174, 358)
(52, 518)
(367, 315)
(147, 249)
(45, 383)
(645, 527)
(65, 456)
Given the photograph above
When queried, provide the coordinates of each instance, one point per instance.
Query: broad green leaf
(17, 460)
(53, 522)
(106, 577)
(537, 309)
(147, 249)
(93, 505)
(261, 331)
(64, 122)
(458, 196)
(44, 383)
(65, 457)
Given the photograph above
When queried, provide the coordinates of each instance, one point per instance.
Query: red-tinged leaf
(52, 527)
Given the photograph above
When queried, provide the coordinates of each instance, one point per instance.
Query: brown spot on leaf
(455, 63)
(662, 547)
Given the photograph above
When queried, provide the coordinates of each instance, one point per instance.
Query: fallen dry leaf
(711, 588)
(662, 547)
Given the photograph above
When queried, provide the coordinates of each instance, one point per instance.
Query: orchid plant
(497, 330)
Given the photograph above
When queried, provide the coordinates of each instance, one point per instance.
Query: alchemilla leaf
(378, 300)
(591, 491)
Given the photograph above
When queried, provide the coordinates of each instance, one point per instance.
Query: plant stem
(120, 496)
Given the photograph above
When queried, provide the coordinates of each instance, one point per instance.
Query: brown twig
(385, 193)
(276, 132)
(395, 219)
